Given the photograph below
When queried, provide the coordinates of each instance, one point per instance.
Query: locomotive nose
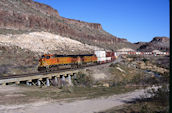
(41, 61)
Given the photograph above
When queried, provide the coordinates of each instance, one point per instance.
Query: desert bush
(156, 100)
(144, 60)
(3, 69)
(165, 77)
(136, 79)
(112, 65)
(127, 76)
(82, 79)
(159, 95)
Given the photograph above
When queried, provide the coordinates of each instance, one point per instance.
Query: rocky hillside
(138, 44)
(157, 43)
(46, 43)
(20, 53)
(18, 16)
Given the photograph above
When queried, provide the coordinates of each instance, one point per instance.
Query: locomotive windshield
(43, 56)
(47, 57)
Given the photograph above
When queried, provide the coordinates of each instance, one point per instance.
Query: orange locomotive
(51, 62)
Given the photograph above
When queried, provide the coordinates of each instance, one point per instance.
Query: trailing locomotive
(52, 62)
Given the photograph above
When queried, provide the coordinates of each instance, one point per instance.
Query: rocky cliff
(157, 43)
(27, 15)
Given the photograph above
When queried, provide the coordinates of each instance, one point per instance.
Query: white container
(115, 53)
(125, 53)
(108, 58)
(138, 53)
(100, 54)
(101, 59)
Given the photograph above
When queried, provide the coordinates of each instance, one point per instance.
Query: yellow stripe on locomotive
(88, 59)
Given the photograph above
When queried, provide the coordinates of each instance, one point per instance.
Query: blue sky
(135, 20)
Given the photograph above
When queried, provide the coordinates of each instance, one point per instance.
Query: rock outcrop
(157, 43)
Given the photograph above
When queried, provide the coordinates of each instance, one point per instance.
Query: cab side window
(54, 56)
(47, 57)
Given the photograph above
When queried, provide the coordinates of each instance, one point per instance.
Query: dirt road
(75, 106)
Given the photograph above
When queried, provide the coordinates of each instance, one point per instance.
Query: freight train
(52, 62)
(155, 52)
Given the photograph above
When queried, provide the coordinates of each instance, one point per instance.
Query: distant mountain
(157, 43)
(19, 16)
(138, 44)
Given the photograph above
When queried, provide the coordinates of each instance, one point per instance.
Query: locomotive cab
(43, 62)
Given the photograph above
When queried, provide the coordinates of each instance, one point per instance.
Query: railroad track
(45, 73)
(34, 74)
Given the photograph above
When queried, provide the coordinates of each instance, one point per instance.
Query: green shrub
(145, 60)
(82, 79)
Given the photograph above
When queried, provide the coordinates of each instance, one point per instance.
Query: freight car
(104, 57)
(52, 62)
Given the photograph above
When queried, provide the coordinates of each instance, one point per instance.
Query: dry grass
(32, 94)
(143, 107)
(122, 74)
(157, 103)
